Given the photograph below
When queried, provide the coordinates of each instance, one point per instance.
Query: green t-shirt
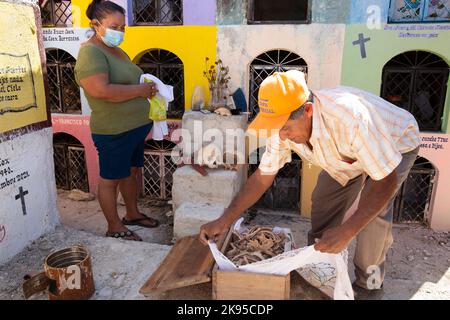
(111, 117)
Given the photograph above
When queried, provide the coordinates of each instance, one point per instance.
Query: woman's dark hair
(99, 9)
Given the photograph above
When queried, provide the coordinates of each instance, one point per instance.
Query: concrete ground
(418, 265)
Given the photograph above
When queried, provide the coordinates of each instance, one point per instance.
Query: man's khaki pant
(330, 202)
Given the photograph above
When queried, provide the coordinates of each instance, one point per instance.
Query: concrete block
(189, 217)
(202, 127)
(27, 191)
(213, 121)
(218, 187)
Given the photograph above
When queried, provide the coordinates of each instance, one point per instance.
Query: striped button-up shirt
(353, 132)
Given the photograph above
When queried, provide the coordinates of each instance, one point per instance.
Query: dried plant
(217, 73)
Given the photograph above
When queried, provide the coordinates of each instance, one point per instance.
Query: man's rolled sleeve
(277, 154)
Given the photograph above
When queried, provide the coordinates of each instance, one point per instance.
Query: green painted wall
(384, 45)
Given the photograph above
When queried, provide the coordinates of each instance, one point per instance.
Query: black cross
(362, 44)
(21, 196)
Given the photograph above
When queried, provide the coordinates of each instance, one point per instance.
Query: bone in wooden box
(190, 262)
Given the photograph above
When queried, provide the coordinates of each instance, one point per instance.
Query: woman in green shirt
(119, 119)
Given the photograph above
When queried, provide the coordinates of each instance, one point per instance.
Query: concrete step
(189, 217)
(218, 187)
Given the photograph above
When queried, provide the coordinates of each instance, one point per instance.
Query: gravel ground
(418, 264)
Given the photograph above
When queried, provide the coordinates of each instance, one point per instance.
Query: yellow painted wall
(309, 177)
(190, 43)
(79, 18)
(19, 48)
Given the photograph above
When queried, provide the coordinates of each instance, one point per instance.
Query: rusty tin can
(67, 276)
(71, 272)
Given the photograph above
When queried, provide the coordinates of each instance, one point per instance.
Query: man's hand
(334, 240)
(255, 187)
(212, 230)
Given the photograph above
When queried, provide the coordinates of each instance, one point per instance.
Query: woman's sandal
(137, 222)
(123, 234)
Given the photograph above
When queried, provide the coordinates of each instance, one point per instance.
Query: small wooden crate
(239, 285)
(189, 263)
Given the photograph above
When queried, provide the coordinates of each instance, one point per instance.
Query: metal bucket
(71, 270)
(67, 275)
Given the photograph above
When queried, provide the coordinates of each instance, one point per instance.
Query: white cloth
(164, 90)
(160, 128)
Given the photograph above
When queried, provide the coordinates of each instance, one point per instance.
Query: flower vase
(218, 97)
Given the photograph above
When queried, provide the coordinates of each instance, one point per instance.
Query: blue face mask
(113, 38)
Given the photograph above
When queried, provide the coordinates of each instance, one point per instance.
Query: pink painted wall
(438, 153)
(78, 126)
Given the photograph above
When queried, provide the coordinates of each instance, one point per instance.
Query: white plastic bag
(331, 267)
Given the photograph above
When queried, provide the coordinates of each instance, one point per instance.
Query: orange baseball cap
(279, 95)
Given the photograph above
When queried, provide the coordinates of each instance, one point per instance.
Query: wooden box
(239, 285)
(189, 263)
(250, 286)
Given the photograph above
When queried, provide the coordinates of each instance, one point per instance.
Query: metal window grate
(46, 13)
(412, 203)
(70, 163)
(77, 168)
(406, 10)
(417, 81)
(169, 68)
(61, 165)
(266, 64)
(284, 194)
(158, 170)
(437, 10)
(280, 11)
(64, 92)
(158, 12)
(56, 13)
(419, 11)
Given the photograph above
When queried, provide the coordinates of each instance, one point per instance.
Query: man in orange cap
(363, 143)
